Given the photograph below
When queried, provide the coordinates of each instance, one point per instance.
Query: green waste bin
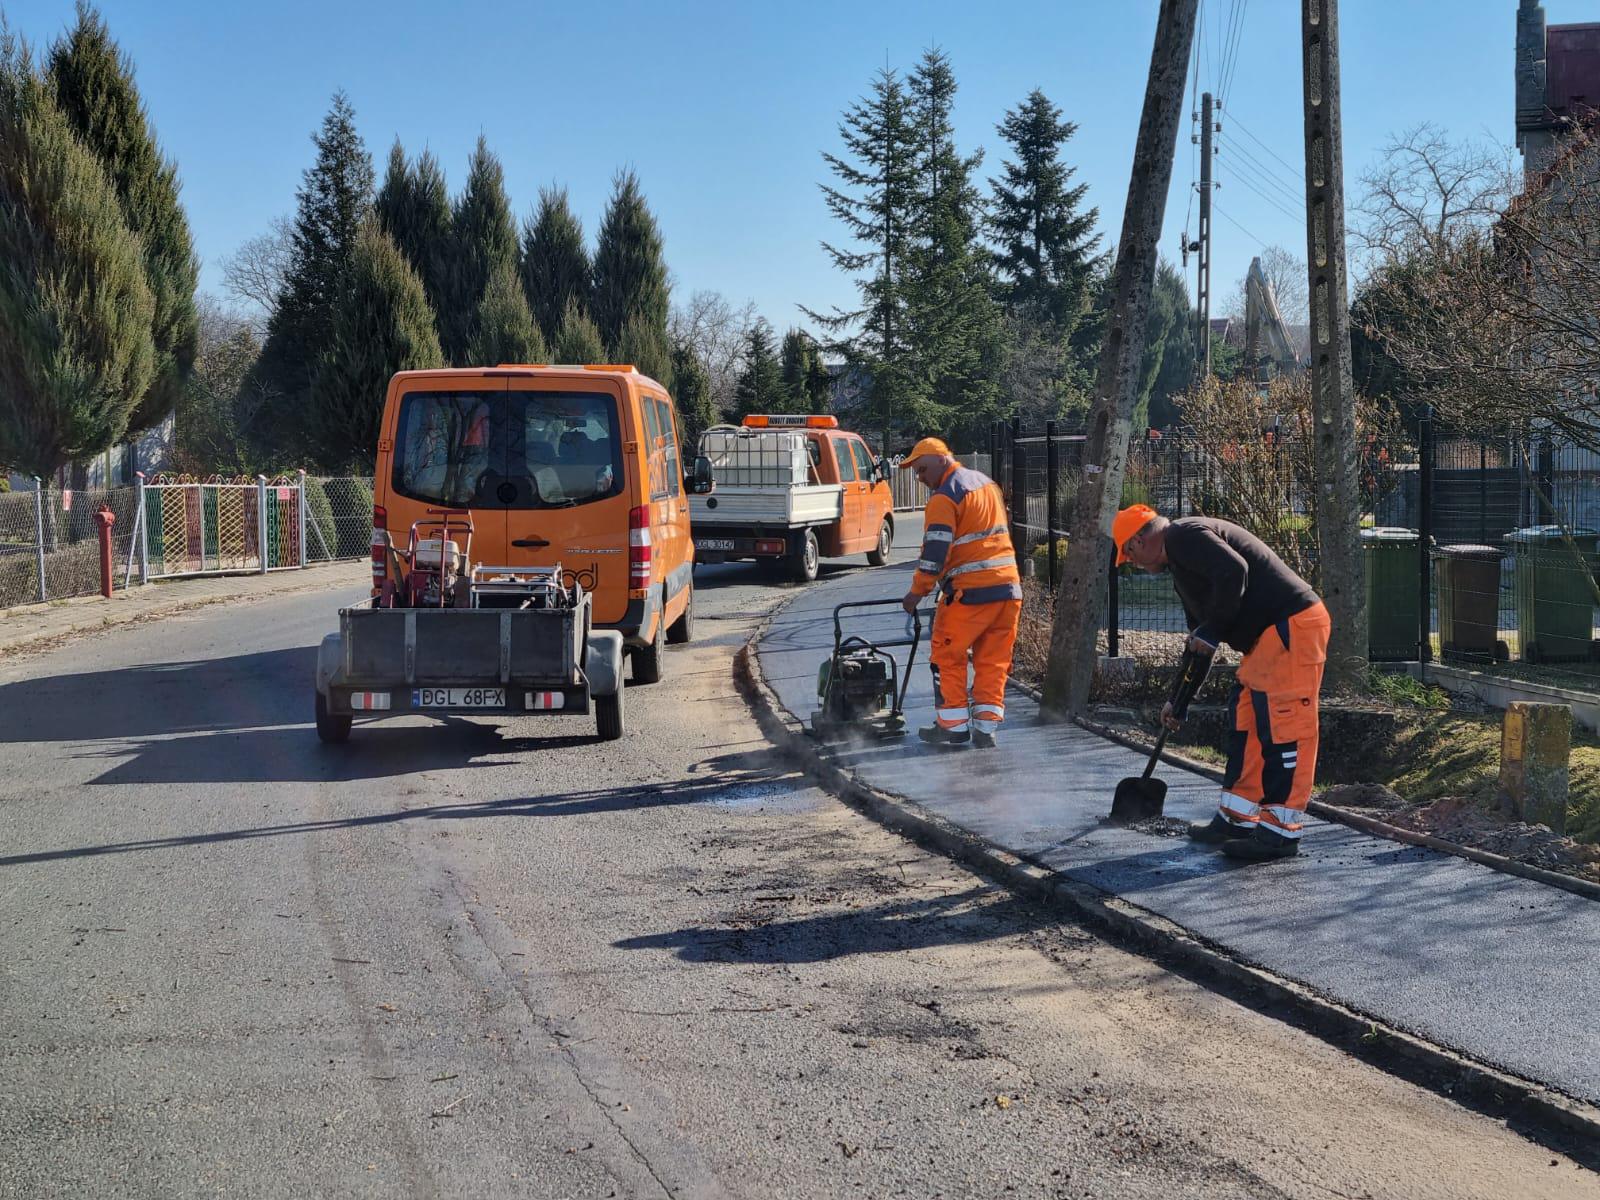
(1554, 593)
(1468, 581)
(1393, 593)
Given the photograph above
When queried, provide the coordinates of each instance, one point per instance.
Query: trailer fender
(603, 662)
(330, 660)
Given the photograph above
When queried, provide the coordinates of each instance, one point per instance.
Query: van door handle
(530, 543)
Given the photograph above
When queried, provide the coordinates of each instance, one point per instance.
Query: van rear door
(448, 453)
(565, 446)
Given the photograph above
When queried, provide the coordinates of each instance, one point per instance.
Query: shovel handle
(1155, 755)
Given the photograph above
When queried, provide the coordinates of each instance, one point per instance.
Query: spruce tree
(760, 388)
(381, 325)
(797, 358)
(818, 385)
(427, 242)
(506, 332)
(77, 351)
(392, 205)
(875, 201)
(630, 272)
(1169, 351)
(94, 88)
(334, 199)
(578, 341)
(483, 244)
(691, 387)
(645, 346)
(1047, 250)
(555, 266)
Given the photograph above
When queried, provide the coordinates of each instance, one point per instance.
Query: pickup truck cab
(792, 489)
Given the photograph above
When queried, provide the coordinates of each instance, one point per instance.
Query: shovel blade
(1138, 799)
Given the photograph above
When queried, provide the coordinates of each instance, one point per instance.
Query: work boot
(938, 735)
(1217, 831)
(982, 740)
(1262, 845)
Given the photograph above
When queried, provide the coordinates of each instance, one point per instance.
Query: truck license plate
(713, 543)
(458, 698)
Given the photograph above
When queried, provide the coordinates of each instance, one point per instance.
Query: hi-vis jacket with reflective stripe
(966, 547)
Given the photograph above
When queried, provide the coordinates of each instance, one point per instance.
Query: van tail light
(380, 545)
(639, 547)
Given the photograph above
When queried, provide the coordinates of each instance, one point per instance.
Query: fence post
(996, 471)
(1113, 638)
(1053, 517)
(1019, 500)
(38, 536)
(1547, 482)
(1425, 538)
(261, 520)
(303, 551)
(144, 535)
(1178, 510)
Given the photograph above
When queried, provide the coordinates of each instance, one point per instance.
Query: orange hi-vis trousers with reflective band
(1272, 751)
(988, 632)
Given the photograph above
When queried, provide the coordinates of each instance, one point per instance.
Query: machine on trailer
(861, 688)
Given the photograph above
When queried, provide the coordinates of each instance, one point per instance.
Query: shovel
(1140, 797)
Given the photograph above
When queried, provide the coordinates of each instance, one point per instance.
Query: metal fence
(169, 527)
(909, 495)
(1479, 552)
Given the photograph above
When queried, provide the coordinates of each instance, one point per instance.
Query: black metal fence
(1480, 552)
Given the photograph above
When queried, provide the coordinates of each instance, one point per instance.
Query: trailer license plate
(713, 543)
(458, 698)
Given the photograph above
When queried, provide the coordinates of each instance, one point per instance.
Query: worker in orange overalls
(967, 554)
(1234, 589)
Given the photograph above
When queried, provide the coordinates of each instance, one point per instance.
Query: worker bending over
(1234, 589)
(967, 554)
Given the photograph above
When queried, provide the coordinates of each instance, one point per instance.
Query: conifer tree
(645, 346)
(691, 387)
(381, 325)
(93, 84)
(630, 272)
(1169, 351)
(818, 385)
(334, 199)
(555, 265)
(795, 362)
(392, 205)
(578, 341)
(875, 201)
(483, 244)
(77, 351)
(760, 388)
(506, 332)
(1047, 250)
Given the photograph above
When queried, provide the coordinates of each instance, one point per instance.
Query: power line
(1293, 192)
(1297, 172)
(1266, 198)
(1233, 60)
(1238, 226)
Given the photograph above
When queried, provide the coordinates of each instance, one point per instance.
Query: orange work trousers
(1272, 751)
(987, 632)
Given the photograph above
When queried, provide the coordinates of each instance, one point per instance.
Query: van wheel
(805, 559)
(608, 716)
(877, 557)
(647, 659)
(331, 727)
(681, 631)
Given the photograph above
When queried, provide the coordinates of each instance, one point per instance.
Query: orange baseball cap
(1127, 523)
(923, 449)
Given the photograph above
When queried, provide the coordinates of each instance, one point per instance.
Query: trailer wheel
(608, 716)
(331, 727)
(647, 659)
(681, 631)
(805, 558)
(880, 554)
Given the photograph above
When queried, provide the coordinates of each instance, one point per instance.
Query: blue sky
(723, 108)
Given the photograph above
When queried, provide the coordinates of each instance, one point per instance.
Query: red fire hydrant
(105, 519)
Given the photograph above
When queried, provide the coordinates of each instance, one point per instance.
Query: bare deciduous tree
(718, 333)
(254, 273)
(1425, 189)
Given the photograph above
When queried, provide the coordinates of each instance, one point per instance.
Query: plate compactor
(861, 689)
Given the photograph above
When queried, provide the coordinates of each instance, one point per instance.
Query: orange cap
(923, 449)
(1127, 523)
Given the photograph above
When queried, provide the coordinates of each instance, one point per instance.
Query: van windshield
(508, 449)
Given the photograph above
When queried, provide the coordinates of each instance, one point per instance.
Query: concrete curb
(1447, 1071)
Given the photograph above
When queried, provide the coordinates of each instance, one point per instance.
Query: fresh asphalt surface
(1499, 967)
(481, 957)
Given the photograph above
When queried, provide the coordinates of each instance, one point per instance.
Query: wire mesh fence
(49, 539)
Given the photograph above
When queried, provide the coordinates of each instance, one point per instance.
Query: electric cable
(1245, 181)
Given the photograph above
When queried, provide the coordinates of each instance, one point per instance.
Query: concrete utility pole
(1080, 602)
(1338, 500)
(1203, 292)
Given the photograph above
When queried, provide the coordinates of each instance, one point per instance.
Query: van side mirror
(701, 481)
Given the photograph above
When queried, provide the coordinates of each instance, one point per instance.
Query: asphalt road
(471, 958)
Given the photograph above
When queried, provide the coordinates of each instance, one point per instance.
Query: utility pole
(1338, 500)
(1080, 600)
(1203, 296)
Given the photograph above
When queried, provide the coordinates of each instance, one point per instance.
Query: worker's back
(981, 564)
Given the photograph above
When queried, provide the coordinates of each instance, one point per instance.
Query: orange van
(579, 466)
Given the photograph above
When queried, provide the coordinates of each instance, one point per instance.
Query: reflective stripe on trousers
(985, 633)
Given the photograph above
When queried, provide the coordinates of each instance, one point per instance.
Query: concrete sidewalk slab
(1495, 967)
(37, 625)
